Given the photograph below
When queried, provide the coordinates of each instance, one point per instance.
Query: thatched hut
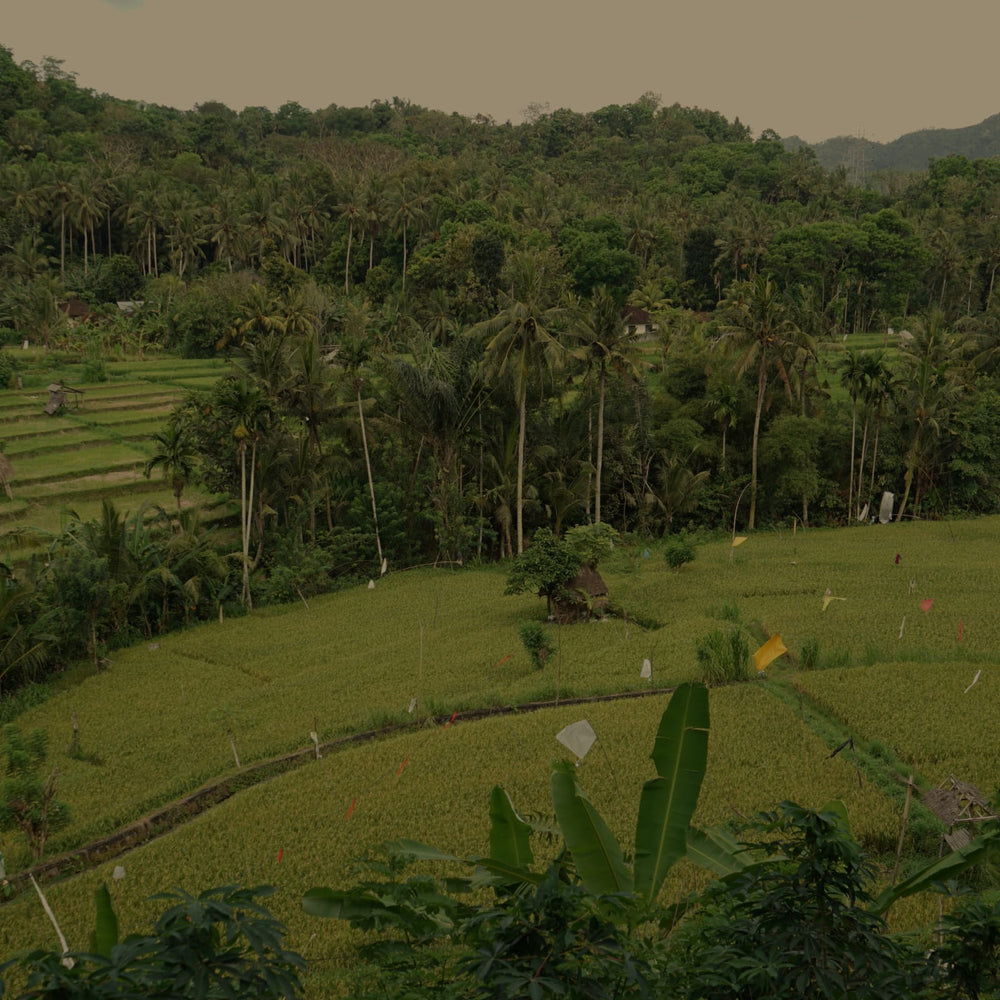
(585, 595)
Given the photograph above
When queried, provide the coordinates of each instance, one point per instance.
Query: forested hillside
(446, 333)
(910, 152)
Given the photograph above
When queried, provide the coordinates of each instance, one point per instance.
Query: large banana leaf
(716, 851)
(509, 834)
(948, 867)
(418, 909)
(105, 934)
(667, 802)
(597, 854)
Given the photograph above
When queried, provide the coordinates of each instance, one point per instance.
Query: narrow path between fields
(168, 817)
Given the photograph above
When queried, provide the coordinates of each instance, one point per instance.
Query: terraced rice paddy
(94, 448)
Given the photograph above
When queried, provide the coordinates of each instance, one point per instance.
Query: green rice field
(899, 617)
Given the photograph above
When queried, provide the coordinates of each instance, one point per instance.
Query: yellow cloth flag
(771, 650)
(739, 540)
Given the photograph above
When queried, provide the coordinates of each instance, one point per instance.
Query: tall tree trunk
(854, 432)
(371, 482)
(404, 258)
(871, 483)
(911, 463)
(861, 465)
(761, 386)
(600, 445)
(347, 266)
(244, 527)
(523, 413)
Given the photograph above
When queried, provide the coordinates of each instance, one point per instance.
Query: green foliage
(667, 803)
(27, 801)
(94, 368)
(8, 369)
(809, 656)
(556, 939)
(678, 550)
(590, 542)
(597, 855)
(415, 908)
(535, 639)
(968, 956)
(795, 925)
(222, 943)
(113, 279)
(723, 656)
(546, 566)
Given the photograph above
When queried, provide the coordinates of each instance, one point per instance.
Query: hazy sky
(816, 68)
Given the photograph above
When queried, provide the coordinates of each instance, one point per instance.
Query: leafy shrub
(8, 369)
(794, 926)
(546, 566)
(809, 657)
(729, 613)
(724, 657)
(27, 801)
(590, 542)
(535, 639)
(679, 550)
(969, 955)
(94, 369)
(221, 943)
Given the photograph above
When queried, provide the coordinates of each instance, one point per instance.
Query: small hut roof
(956, 801)
(589, 581)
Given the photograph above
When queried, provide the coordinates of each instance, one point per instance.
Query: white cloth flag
(647, 670)
(885, 508)
(578, 737)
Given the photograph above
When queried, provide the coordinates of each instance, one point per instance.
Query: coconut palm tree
(521, 339)
(439, 394)
(248, 412)
(353, 356)
(176, 454)
(758, 332)
(406, 210)
(351, 210)
(607, 344)
(852, 378)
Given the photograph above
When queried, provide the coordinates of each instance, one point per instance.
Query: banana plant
(666, 806)
(663, 832)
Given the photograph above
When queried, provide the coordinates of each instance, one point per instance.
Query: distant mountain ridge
(909, 152)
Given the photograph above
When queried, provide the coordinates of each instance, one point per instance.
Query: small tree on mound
(27, 802)
(546, 567)
(563, 571)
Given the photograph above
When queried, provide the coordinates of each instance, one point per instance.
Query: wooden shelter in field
(960, 806)
(586, 595)
(58, 397)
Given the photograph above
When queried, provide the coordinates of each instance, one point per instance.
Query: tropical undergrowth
(793, 909)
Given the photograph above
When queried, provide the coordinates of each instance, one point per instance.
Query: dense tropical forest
(446, 333)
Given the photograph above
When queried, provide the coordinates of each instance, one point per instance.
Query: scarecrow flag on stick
(578, 737)
(771, 650)
(828, 597)
(739, 540)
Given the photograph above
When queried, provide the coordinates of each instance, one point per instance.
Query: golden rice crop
(433, 785)
(925, 713)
